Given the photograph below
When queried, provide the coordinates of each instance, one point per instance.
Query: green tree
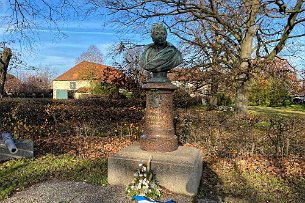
(274, 93)
(273, 84)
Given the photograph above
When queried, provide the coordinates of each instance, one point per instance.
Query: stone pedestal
(179, 171)
(159, 133)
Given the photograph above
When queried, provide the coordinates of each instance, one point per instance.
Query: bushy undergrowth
(254, 158)
(229, 135)
(28, 118)
(223, 133)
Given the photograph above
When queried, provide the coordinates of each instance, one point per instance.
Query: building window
(72, 85)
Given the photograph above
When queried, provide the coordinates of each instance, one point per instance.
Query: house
(83, 76)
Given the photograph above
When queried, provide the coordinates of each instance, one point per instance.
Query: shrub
(223, 100)
(104, 89)
(273, 93)
(182, 99)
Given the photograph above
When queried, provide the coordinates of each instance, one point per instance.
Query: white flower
(153, 185)
(143, 183)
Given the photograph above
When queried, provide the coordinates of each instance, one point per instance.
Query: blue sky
(59, 52)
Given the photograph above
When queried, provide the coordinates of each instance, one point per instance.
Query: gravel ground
(56, 191)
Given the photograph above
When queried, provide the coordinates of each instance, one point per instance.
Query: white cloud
(74, 32)
(59, 64)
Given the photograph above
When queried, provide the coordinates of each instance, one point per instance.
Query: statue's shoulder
(148, 46)
(169, 44)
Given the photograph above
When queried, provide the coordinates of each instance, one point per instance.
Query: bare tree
(4, 62)
(21, 20)
(211, 56)
(12, 85)
(126, 57)
(37, 82)
(25, 17)
(9, 59)
(93, 54)
(252, 28)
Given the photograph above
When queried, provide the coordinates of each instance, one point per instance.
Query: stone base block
(25, 150)
(179, 171)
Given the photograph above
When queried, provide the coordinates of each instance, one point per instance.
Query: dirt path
(63, 191)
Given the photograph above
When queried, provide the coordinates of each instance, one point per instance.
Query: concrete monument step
(178, 171)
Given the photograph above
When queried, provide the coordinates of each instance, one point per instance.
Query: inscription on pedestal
(159, 133)
(153, 113)
(155, 121)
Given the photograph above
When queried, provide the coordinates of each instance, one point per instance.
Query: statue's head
(158, 34)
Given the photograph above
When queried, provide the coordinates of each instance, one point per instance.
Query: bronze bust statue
(160, 56)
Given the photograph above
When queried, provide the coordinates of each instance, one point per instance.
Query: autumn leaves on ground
(258, 158)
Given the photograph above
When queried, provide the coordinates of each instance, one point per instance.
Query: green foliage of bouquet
(144, 183)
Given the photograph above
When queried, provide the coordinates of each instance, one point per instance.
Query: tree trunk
(4, 62)
(241, 97)
(212, 101)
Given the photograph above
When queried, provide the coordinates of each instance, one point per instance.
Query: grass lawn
(293, 110)
(17, 175)
(230, 173)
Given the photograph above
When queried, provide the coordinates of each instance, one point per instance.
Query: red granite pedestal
(159, 134)
(177, 169)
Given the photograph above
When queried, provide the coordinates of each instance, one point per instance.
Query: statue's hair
(158, 26)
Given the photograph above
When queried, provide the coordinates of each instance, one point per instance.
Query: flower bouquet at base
(144, 183)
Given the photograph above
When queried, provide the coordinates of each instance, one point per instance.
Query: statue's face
(159, 36)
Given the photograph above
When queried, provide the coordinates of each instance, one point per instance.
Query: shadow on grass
(22, 173)
(226, 181)
(210, 188)
(297, 185)
(214, 187)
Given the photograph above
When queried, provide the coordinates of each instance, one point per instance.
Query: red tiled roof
(91, 71)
